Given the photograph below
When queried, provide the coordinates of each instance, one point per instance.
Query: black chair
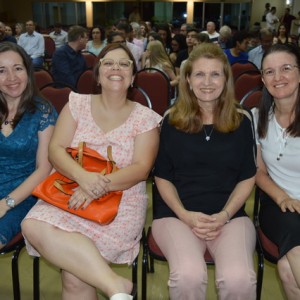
(265, 248)
(152, 251)
(15, 246)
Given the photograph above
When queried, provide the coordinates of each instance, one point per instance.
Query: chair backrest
(245, 82)
(252, 98)
(137, 94)
(157, 86)
(90, 59)
(240, 67)
(57, 94)
(42, 77)
(49, 46)
(86, 84)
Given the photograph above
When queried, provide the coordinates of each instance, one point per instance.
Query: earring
(191, 88)
(131, 84)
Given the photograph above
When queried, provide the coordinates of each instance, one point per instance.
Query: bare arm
(145, 150)
(193, 219)
(265, 182)
(43, 168)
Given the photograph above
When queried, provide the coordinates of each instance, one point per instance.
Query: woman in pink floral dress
(81, 248)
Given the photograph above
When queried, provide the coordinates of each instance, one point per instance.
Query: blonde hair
(186, 114)
(158, 55)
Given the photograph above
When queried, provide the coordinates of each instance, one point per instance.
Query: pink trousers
(232, 252)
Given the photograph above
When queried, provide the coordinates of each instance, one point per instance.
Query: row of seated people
(184, 146)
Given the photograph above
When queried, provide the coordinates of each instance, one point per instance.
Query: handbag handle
(59, 183)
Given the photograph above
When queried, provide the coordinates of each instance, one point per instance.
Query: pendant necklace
(207, 136)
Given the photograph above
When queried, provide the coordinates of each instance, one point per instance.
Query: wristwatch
(10, 202)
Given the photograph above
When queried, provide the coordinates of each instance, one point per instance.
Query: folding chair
(137, 94)
(152, 251)
(245, 82)
(252, 98)
(157, 86)
(49, 50)
(42, 77)
(86, 83)
(240, 67)
(57, 94)
(264, 247)
(90, 59)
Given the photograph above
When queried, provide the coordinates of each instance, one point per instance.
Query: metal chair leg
(36, 278)
(15, 273)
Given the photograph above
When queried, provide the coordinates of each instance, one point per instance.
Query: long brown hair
(186, 114)
(28, 98)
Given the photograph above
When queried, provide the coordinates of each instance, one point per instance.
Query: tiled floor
(50, 284)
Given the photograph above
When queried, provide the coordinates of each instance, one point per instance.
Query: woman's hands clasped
(206, 227)
(91, 186)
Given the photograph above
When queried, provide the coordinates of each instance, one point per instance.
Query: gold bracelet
(227, 214)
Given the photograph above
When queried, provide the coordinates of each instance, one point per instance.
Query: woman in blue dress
(26, 125)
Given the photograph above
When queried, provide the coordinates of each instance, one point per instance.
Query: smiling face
(207, 80)
(283, 85)
(13, 75)
(113, 77)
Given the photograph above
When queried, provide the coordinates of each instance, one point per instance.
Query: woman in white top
(278, 173)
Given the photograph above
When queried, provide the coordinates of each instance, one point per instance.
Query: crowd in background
(177, 42)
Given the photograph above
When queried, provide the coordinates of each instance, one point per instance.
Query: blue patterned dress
(18, 161)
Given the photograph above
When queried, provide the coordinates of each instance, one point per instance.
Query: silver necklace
(207, 136)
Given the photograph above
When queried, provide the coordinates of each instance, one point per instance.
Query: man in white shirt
(272, 19)
(33, 43)
(211, 31)
(266, 39)
(59, 36)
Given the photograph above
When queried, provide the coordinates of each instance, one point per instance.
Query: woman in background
(156, 57)
(97, 40)
(282, 36)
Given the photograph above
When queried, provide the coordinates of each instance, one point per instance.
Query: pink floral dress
(118, 242)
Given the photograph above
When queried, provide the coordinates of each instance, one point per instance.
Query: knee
(189, 277)
(285, 271)
(30, 230)
(239, 282)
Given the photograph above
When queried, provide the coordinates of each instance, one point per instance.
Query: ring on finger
(96, 192)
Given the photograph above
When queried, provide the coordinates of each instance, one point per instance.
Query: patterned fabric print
(118, 242)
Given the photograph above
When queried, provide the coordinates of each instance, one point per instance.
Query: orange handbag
(56, 189)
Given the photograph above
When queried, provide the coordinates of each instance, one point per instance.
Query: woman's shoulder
(144, 116)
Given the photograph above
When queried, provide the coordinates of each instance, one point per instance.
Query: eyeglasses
(123, 63)
(284, 69)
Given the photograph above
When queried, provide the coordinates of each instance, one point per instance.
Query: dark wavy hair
(102, 32)
(28, 98)
(267, 102)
